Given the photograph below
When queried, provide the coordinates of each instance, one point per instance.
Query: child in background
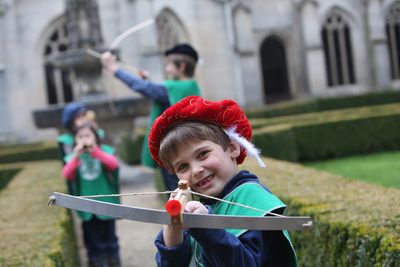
(203, 142)
(180, 65)
(94, 169)
(74, 114)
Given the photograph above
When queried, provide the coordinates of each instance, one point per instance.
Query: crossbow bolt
(175, 206)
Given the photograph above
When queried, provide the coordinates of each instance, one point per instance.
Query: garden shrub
(129, 149)
(277, 141)
(368, 99)
(283, 109)
(348, 137)
(355, 223)
(6, 175)
(327, 115)
(331, 134)
(33, 234)
(28, 152)
(323, 104)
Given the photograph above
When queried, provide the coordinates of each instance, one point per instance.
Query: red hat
(225, 113)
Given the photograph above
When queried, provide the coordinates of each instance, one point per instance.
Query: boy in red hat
(180, 65)
(203, 142)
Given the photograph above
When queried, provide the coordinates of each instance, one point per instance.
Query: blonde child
(203, 142)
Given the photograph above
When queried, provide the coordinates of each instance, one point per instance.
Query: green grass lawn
(381, 168)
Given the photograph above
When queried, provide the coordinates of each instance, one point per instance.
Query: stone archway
(170, 30)
(58, 82)
(274, 70)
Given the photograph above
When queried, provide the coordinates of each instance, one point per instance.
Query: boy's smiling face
(205, 165)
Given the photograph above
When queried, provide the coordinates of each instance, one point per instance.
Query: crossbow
(175, 215)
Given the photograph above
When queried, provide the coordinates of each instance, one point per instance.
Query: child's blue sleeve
(178, 256)
(154, 91)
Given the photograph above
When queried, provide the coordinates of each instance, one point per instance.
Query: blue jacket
(154, 91)
(221, 248)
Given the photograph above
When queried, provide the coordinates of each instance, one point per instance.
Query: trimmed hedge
(355, 223)
(348, 137)
(283, 109)
(324, 104)
(33, 234)
(29, 152)
(333, 135)
(277, 141)
(327, 115)
(6, 175)
(129, 149)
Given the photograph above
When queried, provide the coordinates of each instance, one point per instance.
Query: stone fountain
(83, 27)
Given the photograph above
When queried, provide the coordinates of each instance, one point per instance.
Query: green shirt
(176, 90)
(93, 179)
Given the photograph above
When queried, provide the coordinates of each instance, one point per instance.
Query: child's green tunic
(176, 90)
(93, 179)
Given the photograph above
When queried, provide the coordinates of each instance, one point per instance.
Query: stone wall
(227, 34)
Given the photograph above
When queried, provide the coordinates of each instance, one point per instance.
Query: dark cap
(183, 49)
(70, 111)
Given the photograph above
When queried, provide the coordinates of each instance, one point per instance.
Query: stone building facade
(253, 51)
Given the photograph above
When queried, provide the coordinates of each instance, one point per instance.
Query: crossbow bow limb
(175, 215)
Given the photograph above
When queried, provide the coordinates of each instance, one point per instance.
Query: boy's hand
(109, 62)
(144, 74)
(90, 147)
(84, 146)
(79, 148)
(195, 207)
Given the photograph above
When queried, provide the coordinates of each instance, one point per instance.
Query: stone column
(315, 62)
(379, 46)
(250, 92)
(4, 116)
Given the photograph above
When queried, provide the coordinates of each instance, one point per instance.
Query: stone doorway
(274, 70)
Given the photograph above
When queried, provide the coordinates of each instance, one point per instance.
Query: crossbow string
(189, 191)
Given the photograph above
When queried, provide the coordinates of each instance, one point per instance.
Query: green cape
(253, 195)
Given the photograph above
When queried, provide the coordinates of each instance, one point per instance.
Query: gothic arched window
(58, 82)
(336, 38)
(170, 30)
(393, 37)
